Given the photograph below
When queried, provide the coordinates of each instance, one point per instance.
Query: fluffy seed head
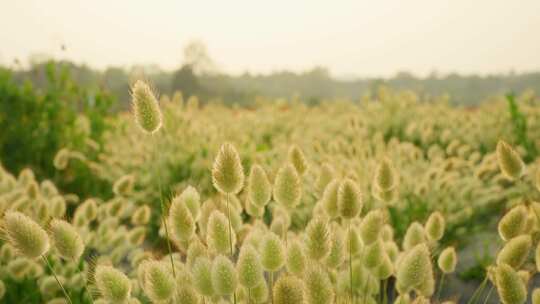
(392, 250)
(509, 160)
(254, 210)
(66, 240)
(191, 198)
(227, 172)
(371, 226)
(249, 268)
(278, 226)
(385, 268)
(385, 176)
(217, 233)
(61, 159)
(25, 235)
(181, 221)
(141, 215)
(259, 293)
(297, 158)
(202, 276)
(513, 223)
(296, 259)
(435, 226)
(510, 287)
(224, 278)
(318, 288)
(427, 286)
(447, 260)
(112, 284)
(385, 196)
(259, 188)
(325, 176)
(374, 254)
(137, 235)
(195, 250)
(272, 252)
(414, 268)
(421, 300)
(288, 290)
(515, 252)
(330, 199)
(525, 276)
(57, 207)
(387, 233)
(89, 209)
(336, 256)
(353, 243)
(187, 295)
(32, 190)
(7, 252)
(145, 107)
(536, 296)
(287, 187)
(159, 284)
(318, 240)
(19, 267)
(403, 299)
(124, 185)
(349, 199)
(415, 235)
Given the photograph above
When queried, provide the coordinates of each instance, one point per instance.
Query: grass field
(396, 198)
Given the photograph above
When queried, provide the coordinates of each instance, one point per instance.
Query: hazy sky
(365, 38)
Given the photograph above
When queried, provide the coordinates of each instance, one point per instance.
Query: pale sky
(357, 37)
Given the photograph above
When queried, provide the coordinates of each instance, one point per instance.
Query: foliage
(167, 217)
(36, 123)
(197, 76)
(519, 122)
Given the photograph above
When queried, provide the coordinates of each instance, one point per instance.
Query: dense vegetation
(312, 86)
(188, 201)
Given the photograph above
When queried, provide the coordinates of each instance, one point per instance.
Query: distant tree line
(199, 76)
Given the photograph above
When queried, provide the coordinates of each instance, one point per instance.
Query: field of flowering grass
(397, 198)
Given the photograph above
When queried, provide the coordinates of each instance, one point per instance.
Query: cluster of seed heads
(221, 259)
(264, 234)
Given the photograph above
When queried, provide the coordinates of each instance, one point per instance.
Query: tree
(186, 81)
(196, 56)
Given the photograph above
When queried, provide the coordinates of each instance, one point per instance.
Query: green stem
(489, 294)
(271, 287)
(366, 285)
(440, 287)
(524, 186)
(350, 264)
(230, 226)
(169, 248)
(56, 278)
(230, 236)
(81, 270)
(385, 290)
(478, 291)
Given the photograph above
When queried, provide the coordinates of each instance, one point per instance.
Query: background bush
(37, 122)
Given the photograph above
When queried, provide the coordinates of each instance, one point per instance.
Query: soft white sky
(365, 38)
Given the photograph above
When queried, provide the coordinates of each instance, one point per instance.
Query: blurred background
(236, 50)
